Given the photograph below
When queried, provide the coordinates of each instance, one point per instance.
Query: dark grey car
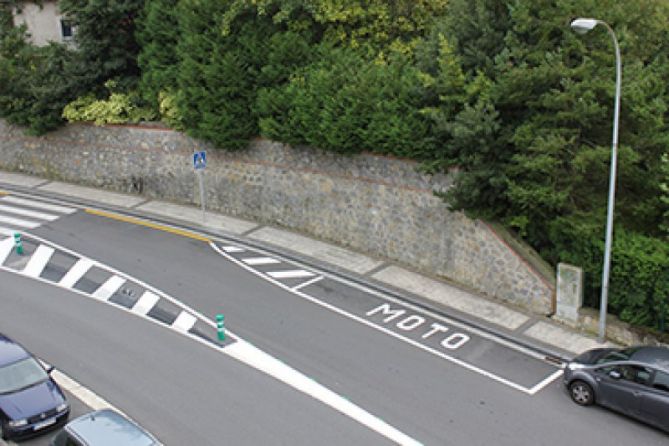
(633, 381)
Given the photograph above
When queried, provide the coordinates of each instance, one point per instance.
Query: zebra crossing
(19, 214)
(50, 263)
(271, 268)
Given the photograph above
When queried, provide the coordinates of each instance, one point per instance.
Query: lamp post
(582, 26)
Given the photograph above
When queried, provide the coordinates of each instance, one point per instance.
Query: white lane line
(27, 213)
(256, 358)
(39, 205)
(545, 382)
(292, 274)
(108, 288)
(260, 261)
(307, 283)
(145, 303)
(374, 326)
(38, 261)
(19, 222)
(184, 322)
(6, 247)
(75, 273)
(232, 249)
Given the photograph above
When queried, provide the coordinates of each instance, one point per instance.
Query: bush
(118, 108)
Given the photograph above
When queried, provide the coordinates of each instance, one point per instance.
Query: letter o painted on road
(411, 322)
(456, 340)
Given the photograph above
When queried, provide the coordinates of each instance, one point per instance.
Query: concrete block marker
(38, 261)
(88, 193)
(108, 288)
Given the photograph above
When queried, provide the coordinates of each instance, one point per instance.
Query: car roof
(10, 351)
(108, 428)
(654, 356)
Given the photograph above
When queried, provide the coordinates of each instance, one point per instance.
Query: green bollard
(220, 327)
(18, 243)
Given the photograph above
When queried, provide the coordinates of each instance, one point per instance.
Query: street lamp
(582, 26)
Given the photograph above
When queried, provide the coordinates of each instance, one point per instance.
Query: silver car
(633, 381)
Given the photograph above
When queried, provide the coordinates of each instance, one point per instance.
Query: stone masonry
(380, 206)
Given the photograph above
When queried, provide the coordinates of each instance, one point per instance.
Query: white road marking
(292, 274)
(6, 247)
(256, 358)
(232, 249)
(38, 261)
(545, 382)
(39, 204)
(184, 322)
(7, 231)
(374, 326)
(19, 222)
(260, 261)
(307, 283)
(75, 273)
(145, 303)
(248, 354)
(27, 213)
(108, 288)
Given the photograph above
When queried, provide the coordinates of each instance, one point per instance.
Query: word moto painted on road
(199, 160)
(413, 323)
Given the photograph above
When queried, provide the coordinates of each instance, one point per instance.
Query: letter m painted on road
(385, 309)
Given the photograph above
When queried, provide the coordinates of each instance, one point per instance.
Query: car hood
(31, 401)
(591, 356)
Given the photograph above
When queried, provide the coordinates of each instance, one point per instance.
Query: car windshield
(20, 375)
(617, 355)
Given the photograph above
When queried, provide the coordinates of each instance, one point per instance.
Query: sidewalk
(509, 322)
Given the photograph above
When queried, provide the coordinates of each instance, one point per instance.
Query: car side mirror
(49, 369)
(615, 374)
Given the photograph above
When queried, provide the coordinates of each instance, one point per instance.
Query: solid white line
(307, 283)
(108, 288)
(372, 325)
(76, 272)
(38, 261)
(39, 204)
(293, 274)
(145, 303)
(184, 322)
(19, 222)
(232, 249)
(85, 395)
(6, 247)
(27, 213)
(260, 261)
(256, 358)
(545, 382)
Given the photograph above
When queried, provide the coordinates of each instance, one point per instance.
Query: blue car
(30, 401)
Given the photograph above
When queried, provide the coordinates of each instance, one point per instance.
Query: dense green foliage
(504, 90)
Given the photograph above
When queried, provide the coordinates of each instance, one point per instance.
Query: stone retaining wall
(376, 205)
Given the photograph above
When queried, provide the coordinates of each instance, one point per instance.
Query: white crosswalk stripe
(18, 214)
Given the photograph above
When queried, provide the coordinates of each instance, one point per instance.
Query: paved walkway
(494, 315)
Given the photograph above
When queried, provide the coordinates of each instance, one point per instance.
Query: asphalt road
(342, 337)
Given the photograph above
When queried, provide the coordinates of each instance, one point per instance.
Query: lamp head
(582, 26)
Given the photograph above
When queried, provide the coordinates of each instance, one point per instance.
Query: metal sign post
(199, 164)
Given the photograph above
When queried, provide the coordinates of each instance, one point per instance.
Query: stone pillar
(569, 293)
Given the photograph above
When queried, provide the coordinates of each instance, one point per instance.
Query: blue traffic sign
(200, 160)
